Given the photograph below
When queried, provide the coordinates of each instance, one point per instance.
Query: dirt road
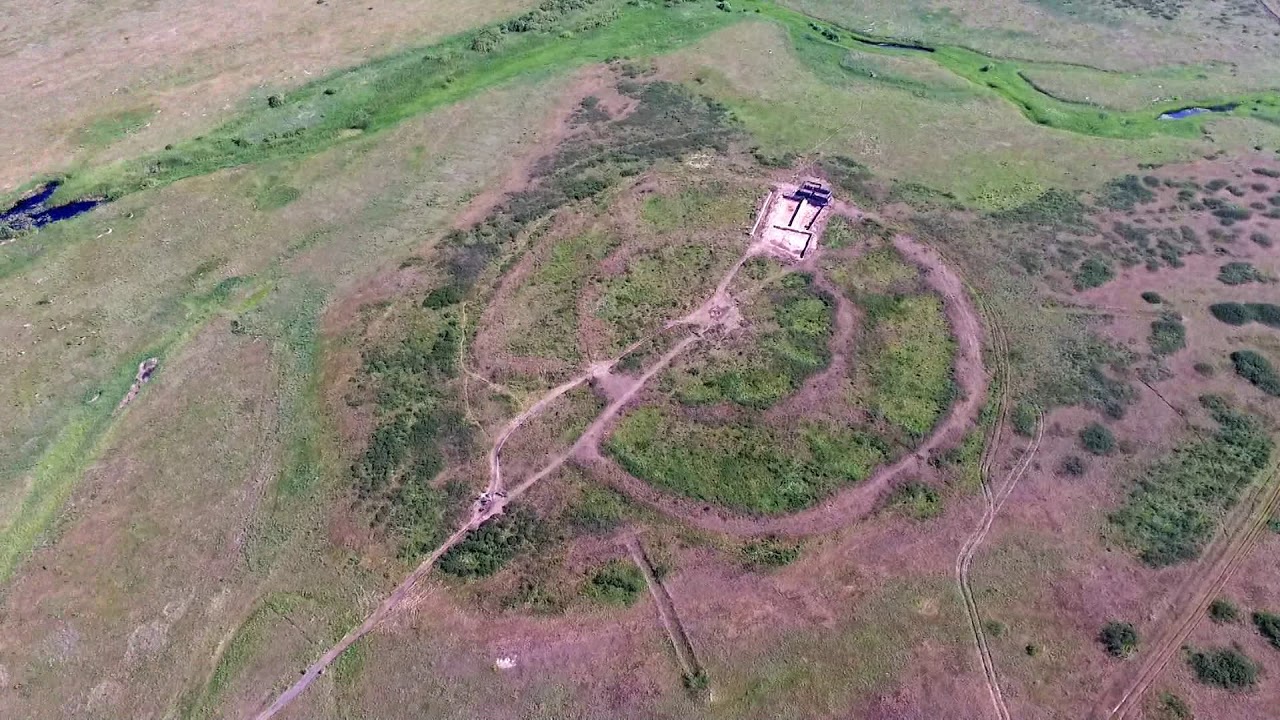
(1220, 563)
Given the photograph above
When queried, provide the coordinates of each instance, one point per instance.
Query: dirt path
(689, 665)
(1125, 696)
(481, 513)
(964, 561)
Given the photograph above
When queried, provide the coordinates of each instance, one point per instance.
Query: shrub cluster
(1223, 611)
(487, 548)
(1268, 625)
(1227, 668)
(1168, 335)
(1258, 370)
(1093, 272)
(1119, 639)
(1124, 193)
(1239, 273)
(1097, 439)
(1233, 313)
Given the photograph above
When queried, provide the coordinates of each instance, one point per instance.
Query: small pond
(33, 211)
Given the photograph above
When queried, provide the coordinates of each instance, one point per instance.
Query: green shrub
(1124, 193)
(1097, 439)
(617, 583)
(443, 297)
(1223, 610)
(1024, 418)
(1257, 370)
(1171, 707)
(1180, 500)
(1120, 639)
(1267, 172)
(1205, 369)
(1268, 625)
(1072, 465)
(1239, 273)
(917, 500)
(769, 553)
(1231, 313)
(994, 628)
(487, 40)
(1168, 335)
(1261, 239)
(487, 548)
(1266, 313)
(1093, 273)
(1227, 668)
(1152, 297)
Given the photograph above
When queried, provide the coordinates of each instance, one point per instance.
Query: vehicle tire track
(994, 501)
(1232, 555)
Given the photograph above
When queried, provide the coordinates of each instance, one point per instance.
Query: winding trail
(1221, 563)
(964, 565)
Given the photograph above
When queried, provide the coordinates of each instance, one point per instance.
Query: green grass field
(742, 467)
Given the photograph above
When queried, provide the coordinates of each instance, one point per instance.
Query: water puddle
(1193, 111)
(33, 211)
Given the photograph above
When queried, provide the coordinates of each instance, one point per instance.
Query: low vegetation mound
(1258, 370)
(1097, 439)
(1119, 639)
(1233, 313)
(769, 553)
(1227, 668)
(917, 500)
(1171, 707)
(909, 355)
(1168, 335)
(1268, 625)
(1178, 502)
(1223, 611)
(618, 583)
(1240, 273)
